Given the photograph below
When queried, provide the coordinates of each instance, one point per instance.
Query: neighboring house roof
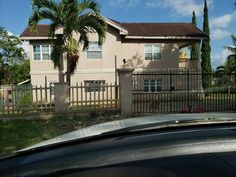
(40, 33)
(138, 30)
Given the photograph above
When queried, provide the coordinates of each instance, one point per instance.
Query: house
(144, 46)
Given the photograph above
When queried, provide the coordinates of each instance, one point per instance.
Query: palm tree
(232, 48)
(82, 17)
(230, 64)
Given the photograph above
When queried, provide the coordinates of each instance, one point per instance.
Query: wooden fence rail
(30, 99)
(84, 98)
(27, 100)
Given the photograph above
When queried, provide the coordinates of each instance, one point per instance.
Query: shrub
(25, 99)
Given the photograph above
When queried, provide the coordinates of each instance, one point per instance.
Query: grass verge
(18, 134)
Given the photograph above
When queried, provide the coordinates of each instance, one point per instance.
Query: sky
(14, 15)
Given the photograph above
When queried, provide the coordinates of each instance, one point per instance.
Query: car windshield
(76, 69)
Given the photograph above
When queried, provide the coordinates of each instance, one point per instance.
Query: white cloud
(180, 7)
(219, 34)
(124, 3)
(9, 33)
(222, 21)
(220, 58)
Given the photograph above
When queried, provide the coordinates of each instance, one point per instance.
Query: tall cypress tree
(206, 52)
(194, 49)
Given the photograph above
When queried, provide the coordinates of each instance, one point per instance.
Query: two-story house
(145, 46)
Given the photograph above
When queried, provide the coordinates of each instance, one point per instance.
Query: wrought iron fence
(169, 91)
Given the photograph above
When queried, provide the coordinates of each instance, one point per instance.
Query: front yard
(17, 134)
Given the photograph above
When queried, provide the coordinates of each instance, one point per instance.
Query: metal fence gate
(168, 91)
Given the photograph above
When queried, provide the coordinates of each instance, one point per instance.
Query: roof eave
(166, 37)
(34, 38)
(122, 30)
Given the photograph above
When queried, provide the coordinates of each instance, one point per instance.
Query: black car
(177, 145)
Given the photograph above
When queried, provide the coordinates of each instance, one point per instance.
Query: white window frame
(41, 52)
(152, 85)
(49, 52)
(99, 49)
(153, 52)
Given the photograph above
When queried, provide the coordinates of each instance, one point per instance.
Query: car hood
(99, 129)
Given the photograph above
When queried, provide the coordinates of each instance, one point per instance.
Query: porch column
(61, 91)
(125, 90)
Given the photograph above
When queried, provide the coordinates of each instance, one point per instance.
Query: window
(94, 51)
(152, 85)
(152, 52)
(94, 85)
(45, 52)
(37, 52)
(42, 52)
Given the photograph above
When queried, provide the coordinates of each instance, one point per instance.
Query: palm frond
(57, 51)
(45, 4)
(231, 57)
(231, 48)
(73, 60)
(70, 13)
(93, 23)
(44, 10)
(69, 6)
(72, 49)
(89, 6)
(43, 15)
(52, 29)
(33, 21)
(233, 39)
(71, 46)
(55, 55)
(84, 39)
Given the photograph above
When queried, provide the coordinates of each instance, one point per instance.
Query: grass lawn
(17, 134)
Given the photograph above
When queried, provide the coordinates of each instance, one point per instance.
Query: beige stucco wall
(169, 55)
(104, 69)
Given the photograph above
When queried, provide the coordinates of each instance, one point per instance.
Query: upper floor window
(37, 52)
(94, 51)
(42, 52)
(45, 52)
(152, 52)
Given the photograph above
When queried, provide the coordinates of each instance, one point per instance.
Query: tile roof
(42, 31)
(139, 29)
(163, 29)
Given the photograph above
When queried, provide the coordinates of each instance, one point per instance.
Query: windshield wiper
(172, 123)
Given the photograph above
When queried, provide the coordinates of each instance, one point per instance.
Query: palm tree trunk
(68, 78)
(60, 70)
